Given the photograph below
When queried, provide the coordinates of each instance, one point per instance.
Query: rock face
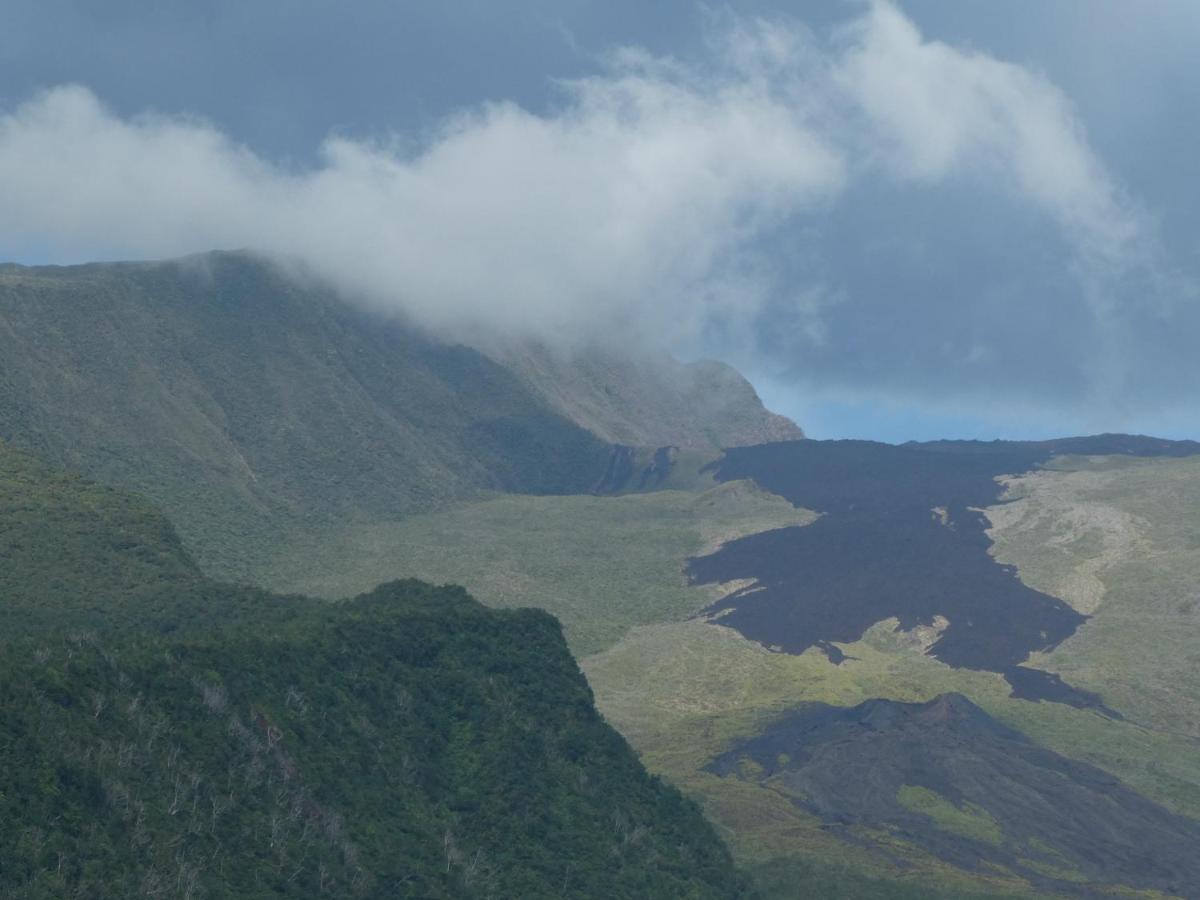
(249, 405)
(649, 400)
(948, 777)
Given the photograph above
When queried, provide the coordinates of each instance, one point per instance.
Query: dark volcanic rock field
(972, 791)
(900, 535)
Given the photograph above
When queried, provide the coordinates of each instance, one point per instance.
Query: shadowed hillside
(79, 557)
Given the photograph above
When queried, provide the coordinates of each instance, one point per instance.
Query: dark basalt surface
(1060, 823)
(1034, 684)
(899, 536)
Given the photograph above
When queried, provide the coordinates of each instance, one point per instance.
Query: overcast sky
(901, 220)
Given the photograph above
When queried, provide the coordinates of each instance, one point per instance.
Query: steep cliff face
(250, 405)
(649, 400)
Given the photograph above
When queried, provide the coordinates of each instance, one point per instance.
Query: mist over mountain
(253, 407)
(299, 441)
(849, 207)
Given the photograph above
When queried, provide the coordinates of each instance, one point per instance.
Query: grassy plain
(602, 565)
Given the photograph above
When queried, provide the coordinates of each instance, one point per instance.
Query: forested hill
(165, 735)
(250, 405)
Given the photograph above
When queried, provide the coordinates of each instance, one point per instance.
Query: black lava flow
(900, 535)
(850, 765)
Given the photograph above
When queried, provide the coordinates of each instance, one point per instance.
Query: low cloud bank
(651, 200)
(635, 201)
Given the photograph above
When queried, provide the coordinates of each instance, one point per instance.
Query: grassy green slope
(601, 565)
(1120, 540)
(77, 557)
(1115, 537)
(679, 689)
(248, 405)
(254, 408)
(244, 403)
(58, 531)
(162, 734)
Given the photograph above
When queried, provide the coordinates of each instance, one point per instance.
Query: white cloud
(643, 199)
(933, 111)
(636, 196)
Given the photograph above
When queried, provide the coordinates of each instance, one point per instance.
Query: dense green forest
(165, 735)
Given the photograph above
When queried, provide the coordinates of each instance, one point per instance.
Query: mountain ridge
(250, 405)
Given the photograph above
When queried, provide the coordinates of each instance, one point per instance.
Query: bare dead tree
(471, 869)
(293, 699)
(174, 807)
(450, 846)
(213, 695)
(218, 807)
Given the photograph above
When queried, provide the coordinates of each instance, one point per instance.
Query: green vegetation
(1119, 539)
(968, 820)
(1060, 868)
(62, 537)
(78, 557)
(251, 406)
(168, 735)
(308, 447)
(789, 877)
(409, 743)
(1116, 537)
(650, 402)
(601, 565)
(680, 690)
(256, 409)
(683, 692)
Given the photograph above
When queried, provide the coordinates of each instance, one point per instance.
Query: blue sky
(902, 220)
